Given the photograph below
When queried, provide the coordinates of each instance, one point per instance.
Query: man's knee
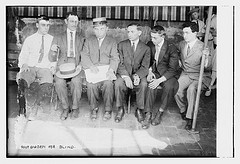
(119, 83)
(60, 82)
(108, 83)
(192, 89)
(171, 84)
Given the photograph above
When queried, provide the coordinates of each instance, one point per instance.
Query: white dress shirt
(135, 44)
(30, 51)
(158, 49)
(69, 41)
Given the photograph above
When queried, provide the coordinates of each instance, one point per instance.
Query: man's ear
(66, 21)
(37, 25)
(139, 33)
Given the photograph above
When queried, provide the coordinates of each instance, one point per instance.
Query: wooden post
(201, 70)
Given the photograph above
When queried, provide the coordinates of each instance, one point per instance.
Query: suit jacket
(61, 41)
(191, 63)
(168, 64)
(133, 63)
(105, 55)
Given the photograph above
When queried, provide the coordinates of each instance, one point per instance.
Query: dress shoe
(119, 115)
(139, 115)
(94, 114)
(64, 114)
(189, 124)
(157, 119)
(147, 120)
(74, 114)
(183, 115)
(107, 116)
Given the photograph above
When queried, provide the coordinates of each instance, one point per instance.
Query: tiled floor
(107, 138)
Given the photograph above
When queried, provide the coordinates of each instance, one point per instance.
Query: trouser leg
(108, 93)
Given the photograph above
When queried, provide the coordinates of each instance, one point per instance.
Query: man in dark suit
(69, 44)
(100, 50)
(132, 71)
(163, 72)
(191, 51)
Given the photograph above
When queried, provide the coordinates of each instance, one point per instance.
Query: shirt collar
(160, 44)
(191, 44)
(68, 31)
(135, 42)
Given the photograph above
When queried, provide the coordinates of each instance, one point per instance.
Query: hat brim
(193, 11)
(59, 75)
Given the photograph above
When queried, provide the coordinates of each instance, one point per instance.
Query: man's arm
(114, 57)
(24, 54)
(170, 63)
(144, 68)
(85, 56)
(121, 67)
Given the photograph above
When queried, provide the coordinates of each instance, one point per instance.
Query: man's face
(156, 38)
(133, 33)
(195, 15)
(72, 22)
(43, 27)
(188, 35)
(100, 31)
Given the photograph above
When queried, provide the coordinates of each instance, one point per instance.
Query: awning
(163, 13)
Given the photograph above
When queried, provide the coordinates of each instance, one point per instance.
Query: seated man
(191, 51)
(69, 44)
(100, 50)
(132, 71)
(163, 72)
(34, 64)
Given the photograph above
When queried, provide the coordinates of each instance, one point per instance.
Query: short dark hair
(158, 29)
(72, 13)
(193, 26)
(42, 17)
(135, 24)
(100, 23)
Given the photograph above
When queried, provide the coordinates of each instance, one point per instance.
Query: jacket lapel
(162, 51)
(104, 43)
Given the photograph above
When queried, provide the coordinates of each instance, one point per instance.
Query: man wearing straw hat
(191, 51)
(69, 45)
(34, 64)
(100, 50)
(194, 13)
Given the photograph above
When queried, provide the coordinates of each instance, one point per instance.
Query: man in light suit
(163, 72)
(191, 51)
(132, 71)
(100, 50)
(69, 44)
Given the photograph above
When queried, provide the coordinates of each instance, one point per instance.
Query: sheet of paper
(97, 77)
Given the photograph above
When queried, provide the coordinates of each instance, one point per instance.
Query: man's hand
(154, 83)
(79, 67)
(110, 75)
(53, 70)
(128, 82)
(206, 53)
(94, 69)
(24, 68)
(150, 76)
(54, 47)
(136, 79)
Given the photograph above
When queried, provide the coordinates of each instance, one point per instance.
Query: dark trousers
(93, 92)
(169, 89)
(121, 91)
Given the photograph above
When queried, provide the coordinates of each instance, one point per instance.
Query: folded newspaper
(97, 77)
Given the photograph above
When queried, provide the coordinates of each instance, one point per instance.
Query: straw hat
(68, 70)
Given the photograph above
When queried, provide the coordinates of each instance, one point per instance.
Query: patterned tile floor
(83, 137)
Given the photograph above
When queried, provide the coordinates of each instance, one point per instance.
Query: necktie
(133, 46)
(188, 50)
(41, 51)
(156, 54)
(71, 45)
(99, 42)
